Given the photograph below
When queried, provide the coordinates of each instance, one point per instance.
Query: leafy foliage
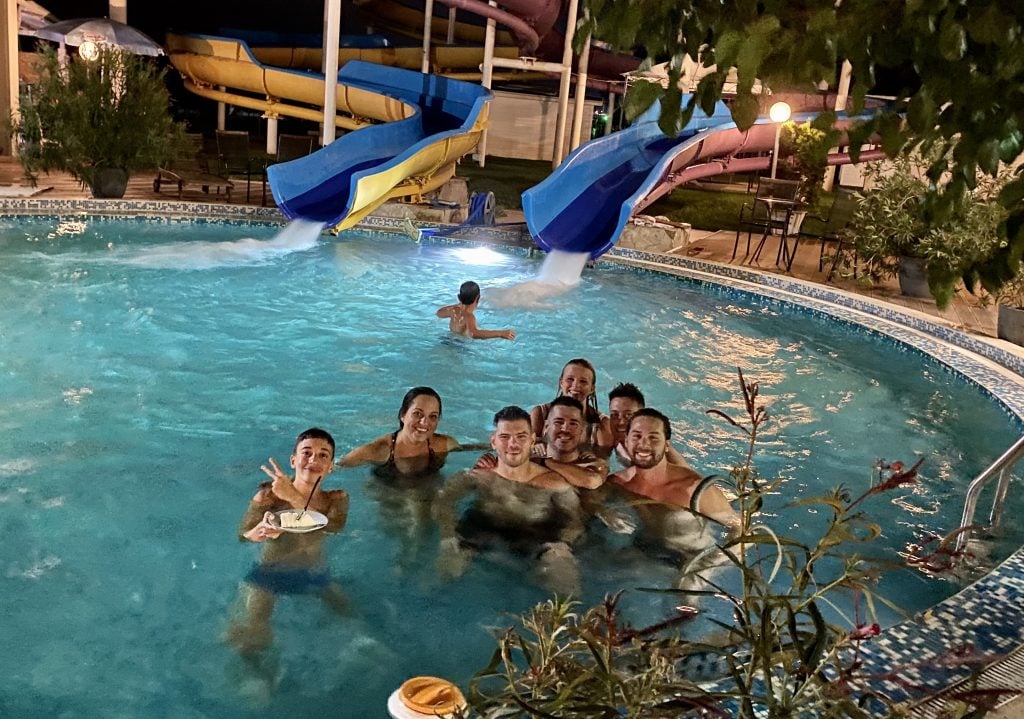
(891, 222)
(781, 657)
(807, 146)
(958, 68)
(112, 112)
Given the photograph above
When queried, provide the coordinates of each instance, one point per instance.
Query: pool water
(148, 369)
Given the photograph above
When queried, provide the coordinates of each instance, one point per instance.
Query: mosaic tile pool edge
(988, 614)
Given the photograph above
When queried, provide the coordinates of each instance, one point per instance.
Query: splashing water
(296, 236)
(560, 272)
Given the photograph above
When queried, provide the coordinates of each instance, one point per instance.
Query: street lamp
(778, 113)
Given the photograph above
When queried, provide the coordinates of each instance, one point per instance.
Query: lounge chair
(190, 167)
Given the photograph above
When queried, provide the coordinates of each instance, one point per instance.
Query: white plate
(320, 519)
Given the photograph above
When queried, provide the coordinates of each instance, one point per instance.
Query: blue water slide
(323, 186)
(585, 203)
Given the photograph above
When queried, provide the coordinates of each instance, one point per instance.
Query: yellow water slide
(431, 122)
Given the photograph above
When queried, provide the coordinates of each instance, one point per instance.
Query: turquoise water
(148, 369)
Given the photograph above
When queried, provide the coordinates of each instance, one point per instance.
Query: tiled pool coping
(988, 614)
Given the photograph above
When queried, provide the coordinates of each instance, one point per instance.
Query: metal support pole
(581, 95)
(486, 79)
(332, 39)
(563, 86)
(428, 18)
(775, 149)
(118, 10)
(450, 39)
(222, 111)
(842, 93)
(271, 134)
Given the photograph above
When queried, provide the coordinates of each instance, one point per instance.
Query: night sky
(156, 18)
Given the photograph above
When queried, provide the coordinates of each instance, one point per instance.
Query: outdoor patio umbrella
(100, 31)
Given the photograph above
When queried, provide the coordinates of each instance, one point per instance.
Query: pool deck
(967, 323)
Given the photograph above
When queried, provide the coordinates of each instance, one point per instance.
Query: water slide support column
(428, 18)
(271, 134)
(222, 111)
(842, 93)
(581, 95)
(563, 86)
(332, 38)
(451, 26)
(486, 79)
(9, 70)
(118, 10)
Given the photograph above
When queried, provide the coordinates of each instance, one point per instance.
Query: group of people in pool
(535, 493)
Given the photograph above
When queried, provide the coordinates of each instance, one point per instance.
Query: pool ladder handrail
(1001, 468)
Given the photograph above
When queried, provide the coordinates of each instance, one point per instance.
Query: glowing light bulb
(89, 50)
(779, 112)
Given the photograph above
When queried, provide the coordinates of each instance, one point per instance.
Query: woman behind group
(414, 449)
(579, 381)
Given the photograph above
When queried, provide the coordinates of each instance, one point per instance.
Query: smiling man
(530, 508)
(665, 495)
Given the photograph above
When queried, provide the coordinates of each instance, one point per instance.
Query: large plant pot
(109, 182)
(914, 278)
(1010, 324)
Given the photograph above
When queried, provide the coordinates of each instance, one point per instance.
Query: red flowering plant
(783, 655)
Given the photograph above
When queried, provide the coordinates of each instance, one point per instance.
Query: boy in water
(461, 319)
(290, 563)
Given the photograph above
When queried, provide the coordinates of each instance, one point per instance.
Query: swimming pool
(150, 368)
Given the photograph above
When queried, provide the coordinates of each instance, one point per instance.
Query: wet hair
(469, 292)
(315, 433)
(651, 412)
(567, 401)
(591, 409)
(511, 414)
(411, 396)
(629, 391)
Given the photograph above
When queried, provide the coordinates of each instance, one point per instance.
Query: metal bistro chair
(290, 147)
(236, 157)
(770, 210)
(833, 229)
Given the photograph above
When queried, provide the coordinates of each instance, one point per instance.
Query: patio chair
(769, 210)
(833, 229)
(236, 157)
(290, 147)
(190, 166)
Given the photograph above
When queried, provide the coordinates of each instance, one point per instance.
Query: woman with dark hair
(415, 448)
(579, 381)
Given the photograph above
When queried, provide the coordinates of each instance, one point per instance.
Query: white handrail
(1000, 467)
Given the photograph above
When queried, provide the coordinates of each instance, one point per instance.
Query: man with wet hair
(561, 449)
(291, 563)
(462, 318)
(679, 512)
(530, 508)
(625, 400)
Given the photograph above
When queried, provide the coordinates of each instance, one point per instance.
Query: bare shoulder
(446, 443)
(375, 451)
(264, 494)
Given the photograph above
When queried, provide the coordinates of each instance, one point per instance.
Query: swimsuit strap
(391, 454)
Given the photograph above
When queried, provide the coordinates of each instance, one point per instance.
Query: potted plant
(893, 237)
(1010, 314)
(99, 120)
(805, 148)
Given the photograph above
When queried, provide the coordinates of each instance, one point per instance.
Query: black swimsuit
(390, 470)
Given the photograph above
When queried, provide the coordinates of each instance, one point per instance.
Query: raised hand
(283, 486)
